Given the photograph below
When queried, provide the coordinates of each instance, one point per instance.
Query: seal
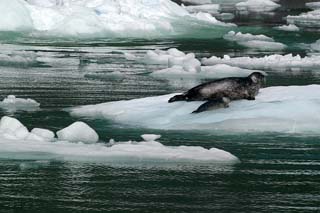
(233, 88)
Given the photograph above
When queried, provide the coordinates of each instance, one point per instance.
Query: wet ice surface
(278, 172)
(276, 109)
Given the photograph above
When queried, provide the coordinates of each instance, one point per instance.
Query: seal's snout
(257, 77)
(177, 98)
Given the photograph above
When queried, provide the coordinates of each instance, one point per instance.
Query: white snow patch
(294, 109)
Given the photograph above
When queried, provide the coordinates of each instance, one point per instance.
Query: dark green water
(277, 173)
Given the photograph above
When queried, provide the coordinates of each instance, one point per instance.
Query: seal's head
(177, 98)
(257, 78)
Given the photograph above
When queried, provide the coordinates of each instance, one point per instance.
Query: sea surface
(278, 172)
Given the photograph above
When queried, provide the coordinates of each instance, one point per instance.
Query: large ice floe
(260, 42)
(270, 62)
(293, 109)
(18, 143)
(104, 18)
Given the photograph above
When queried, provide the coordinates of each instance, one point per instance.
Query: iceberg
(17, 143)
(105, 18)
(271, 62)
(293, 109)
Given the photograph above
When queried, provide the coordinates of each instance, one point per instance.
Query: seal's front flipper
(212, 104)
(177, 98)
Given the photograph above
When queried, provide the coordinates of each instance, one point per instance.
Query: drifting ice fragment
(12, 103)
(271, 62)
(35, 146)
(257, 6)
(46, 134)
(290, 28)
(78, 132)
(260, 42)
(150, 137)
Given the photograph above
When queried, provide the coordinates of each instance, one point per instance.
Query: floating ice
(12, 128)
(294, 109)
(173, 58)
(215, 71)
(257, 5)
(31, 146)
(46, 134)
(150, 137)
(260, 42)
(12, 103)
(78, 132)
(11, 57)
(271, 62)
(197, 2)
(290, 28)
(208, 8)
(316, 46)
(14, 16)
(306, 20)
(313, 5)
(104, 18)
(239, 37)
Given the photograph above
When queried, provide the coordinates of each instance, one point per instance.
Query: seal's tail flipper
(177, 98)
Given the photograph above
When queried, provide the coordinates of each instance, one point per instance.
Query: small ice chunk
(260, 42)
(233, 36)
(257, 6)
(13, 127)
(46, 134)
(34, 137)
(78, 132)
(313, 5)
(269, 62)
(290, 28)
(13, 103)
(150, 137)
(208, 8)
